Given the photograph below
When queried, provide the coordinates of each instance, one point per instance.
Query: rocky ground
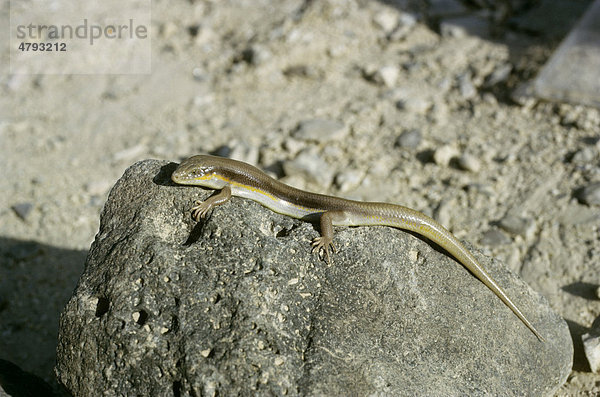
(409, 102)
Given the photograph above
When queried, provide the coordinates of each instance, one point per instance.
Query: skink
(235, 178)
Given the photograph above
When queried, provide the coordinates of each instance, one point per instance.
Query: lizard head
(201, 170)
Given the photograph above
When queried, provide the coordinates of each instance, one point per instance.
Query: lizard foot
(323, 245)
(200, 209)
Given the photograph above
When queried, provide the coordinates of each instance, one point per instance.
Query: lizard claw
(323, 245)
(199, 210)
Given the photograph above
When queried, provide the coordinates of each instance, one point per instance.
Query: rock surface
(237, 305)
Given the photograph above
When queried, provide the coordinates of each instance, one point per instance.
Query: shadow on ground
(36, 281)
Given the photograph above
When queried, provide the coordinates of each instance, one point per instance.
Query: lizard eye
(199, 172)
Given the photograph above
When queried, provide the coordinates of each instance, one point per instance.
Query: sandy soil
(502, 172)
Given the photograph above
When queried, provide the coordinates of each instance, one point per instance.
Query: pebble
(311, 166)
(386, 75)
(468, 162)
(494, 238)
(22, 209)
(443, 212)
(499, 75)
(206, 352)
(516, 225)
(443, 155)
(256, 55)
(416, 105)
(591, 347)
(466, 87)
(348, 180)
(239, 150)
(386, 20)
(406, 22)
(590, 194)
(584, 156)
(410, 139)
(304, 71)
(320, 130)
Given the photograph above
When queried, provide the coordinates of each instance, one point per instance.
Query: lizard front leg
(201, 208)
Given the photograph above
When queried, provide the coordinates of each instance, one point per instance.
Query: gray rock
(304, 71)
(417, 105)
(499, 75)
(590, 194)
(256, 55)
(466, 86)
(386, 20)
(395, 24)
(320, 130)
(591, 346)
(386, 75)
(584, 156)
(516, 225)
(494, 238)
(444, 154)
(311, 167)
(22, 210)
(243, 151)
(348, 179)
(468, 162)
(410, 139)
(238, 305)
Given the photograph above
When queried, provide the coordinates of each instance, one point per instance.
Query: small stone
(444, 154)
(591, 347)
(22, 209)
(516, 225)
(304, 71)
(386, 75)
(320, 130)
(406, 22)
(494, 238)
(312, 167)
(499, 75)
(409, 139)
(292, 145)
(466, 87)
(348, 179)
(416, 105)
(255, 55)
(386, 20)
(468, 162)
(243, 151)
(206, 352)
(589, 194)
(584, 156)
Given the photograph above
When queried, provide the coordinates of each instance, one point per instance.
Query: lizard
(235, 178)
